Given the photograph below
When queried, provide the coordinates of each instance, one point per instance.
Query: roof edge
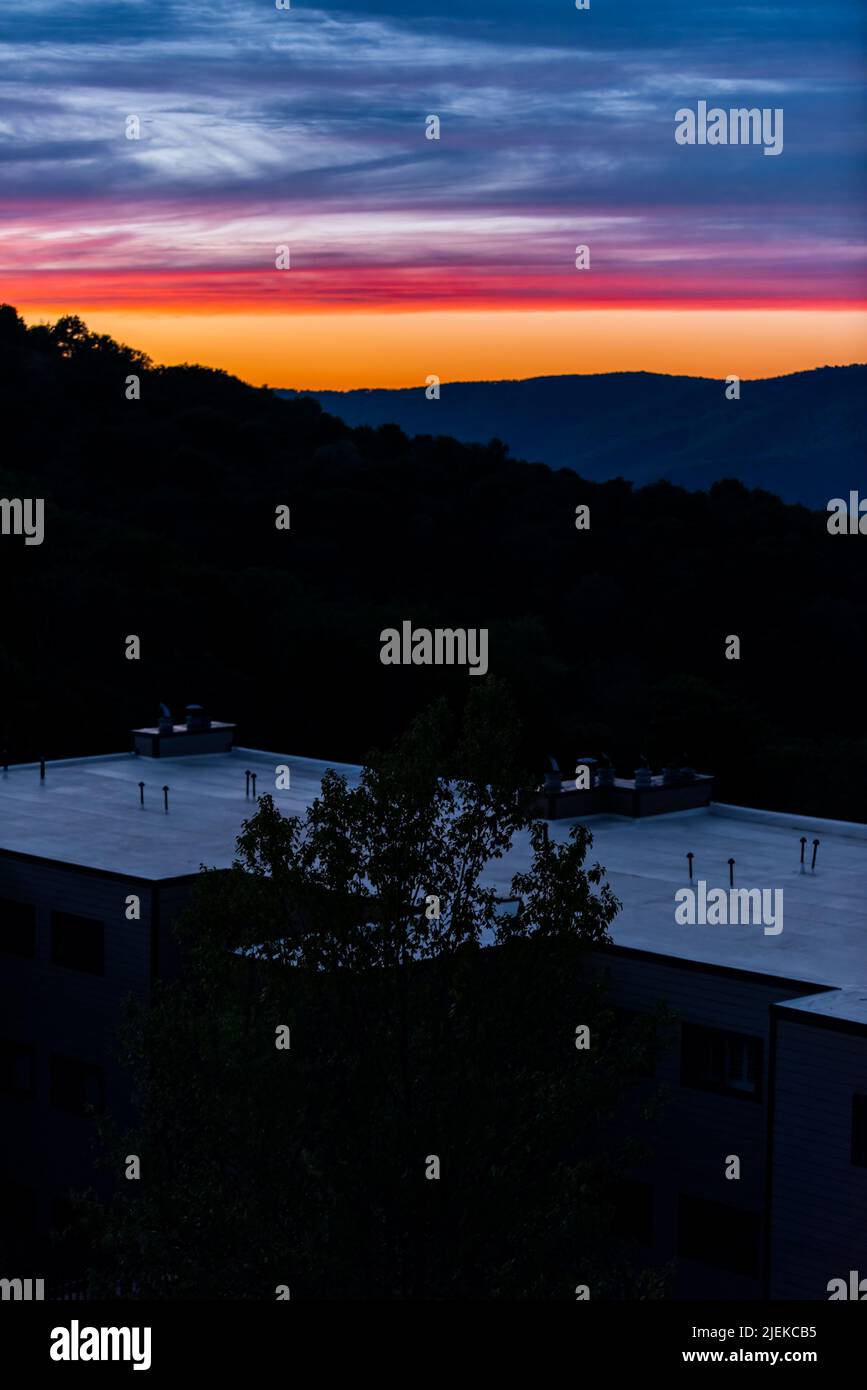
(853, 830)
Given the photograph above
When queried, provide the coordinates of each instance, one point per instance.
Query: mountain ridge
(647, 426)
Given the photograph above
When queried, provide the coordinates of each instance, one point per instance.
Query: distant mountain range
(800, 436)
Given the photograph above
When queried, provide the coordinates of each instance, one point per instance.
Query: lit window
(712, 1059)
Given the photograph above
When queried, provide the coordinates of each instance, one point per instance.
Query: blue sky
(259, 126)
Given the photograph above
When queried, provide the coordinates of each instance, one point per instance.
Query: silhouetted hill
(160, 522)
(798, 436)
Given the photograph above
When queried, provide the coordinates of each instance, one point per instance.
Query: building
(768, 1062)
(93, 872)
(769, 1055)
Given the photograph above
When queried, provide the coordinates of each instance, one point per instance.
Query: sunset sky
(306, 128)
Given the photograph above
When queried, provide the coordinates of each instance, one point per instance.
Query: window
(17, 1069)
(718, 1235)
(714, 1060)
(632, 1025)
(633, 1218)
(76, 942)
(76, 1087)
(17, 928)
(859, 1131)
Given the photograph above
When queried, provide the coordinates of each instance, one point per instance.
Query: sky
(306, 128)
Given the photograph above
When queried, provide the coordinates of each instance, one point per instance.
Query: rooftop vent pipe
(196, 721)
(553, 778)
(605, 772)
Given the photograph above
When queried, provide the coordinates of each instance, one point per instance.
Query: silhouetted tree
(432, 1130)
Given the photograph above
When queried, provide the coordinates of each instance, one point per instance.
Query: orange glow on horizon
(344, 350)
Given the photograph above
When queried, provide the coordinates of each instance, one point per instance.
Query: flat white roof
(87, 810)
(841, 1005)
(87, 813)
(824, 914)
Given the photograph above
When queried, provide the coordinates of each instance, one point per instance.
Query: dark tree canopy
(427, 1127)
(160, 521)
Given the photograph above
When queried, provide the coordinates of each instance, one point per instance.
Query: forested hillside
(160, 522)
(800, 437)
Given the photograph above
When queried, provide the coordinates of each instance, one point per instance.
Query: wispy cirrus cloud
(260, 127)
